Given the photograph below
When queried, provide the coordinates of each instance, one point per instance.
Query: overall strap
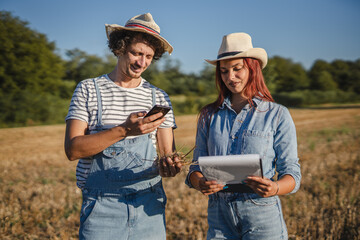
(153, 90)
(153, 93)
(99, 104)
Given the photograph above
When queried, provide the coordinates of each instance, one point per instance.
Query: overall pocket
(88, 206)
(120, 164)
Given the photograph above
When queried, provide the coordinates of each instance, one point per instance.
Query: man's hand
(169, 167)
(136, 124)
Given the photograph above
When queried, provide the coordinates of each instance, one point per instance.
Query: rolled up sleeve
(285, 145)
(200, 150)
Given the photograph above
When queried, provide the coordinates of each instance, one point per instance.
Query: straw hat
(237, 45)
(141, 23)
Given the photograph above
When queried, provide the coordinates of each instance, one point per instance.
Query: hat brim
(257, 53)
(112, 27)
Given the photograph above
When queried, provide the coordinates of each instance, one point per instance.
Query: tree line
(37, 83)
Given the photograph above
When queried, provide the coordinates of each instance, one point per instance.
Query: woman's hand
(263, 186)
(200, 183)
(209, 187)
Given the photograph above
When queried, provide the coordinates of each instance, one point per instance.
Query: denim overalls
(123, 197)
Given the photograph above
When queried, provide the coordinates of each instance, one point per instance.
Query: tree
(355, 76)
(341, 72)
(270, 76)
(325, 81)
(321, 77)
(157, 77)
(288, 76)
(81, 65)
(27, 58)
(30, 75)
(206, 80)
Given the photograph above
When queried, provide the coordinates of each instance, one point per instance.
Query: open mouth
(135, 69)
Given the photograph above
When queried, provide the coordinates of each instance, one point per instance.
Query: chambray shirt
(266, 129)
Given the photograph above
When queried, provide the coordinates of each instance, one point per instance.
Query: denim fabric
(238, 216)
(266, 129)
(139, 215)
(123, 197)
(129, 163)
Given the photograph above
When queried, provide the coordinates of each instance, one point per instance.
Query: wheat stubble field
(39, 198)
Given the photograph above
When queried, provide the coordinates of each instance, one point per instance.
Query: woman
(245, 120)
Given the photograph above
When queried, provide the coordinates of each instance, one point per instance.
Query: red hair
(255, 87)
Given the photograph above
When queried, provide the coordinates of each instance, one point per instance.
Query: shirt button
(233, 137)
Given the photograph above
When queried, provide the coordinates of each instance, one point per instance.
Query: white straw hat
(141, 23)
(237, 45)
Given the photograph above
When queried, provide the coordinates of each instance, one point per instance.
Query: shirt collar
(227, 103)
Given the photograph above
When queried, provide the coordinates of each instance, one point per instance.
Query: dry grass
(39, 199)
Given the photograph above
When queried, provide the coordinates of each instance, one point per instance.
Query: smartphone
(157, 109)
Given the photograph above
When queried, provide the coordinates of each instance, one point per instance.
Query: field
(39, 198)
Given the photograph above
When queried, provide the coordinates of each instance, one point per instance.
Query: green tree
(206, 81)
(179, 82)
(344, 74)
(157, 77)
(287, 76)
(325, 81)
(270, 76)
(30, 75)
(315, 71)
(110, 62)
(81, 65)
(321, 77)
(340, 71)
(355, 76)
(27, 58)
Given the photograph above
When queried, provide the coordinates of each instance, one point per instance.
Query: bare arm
(267, 188)
(166, 146)
(262, 186)
(78, 145)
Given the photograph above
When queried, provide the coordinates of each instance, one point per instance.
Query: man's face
(136, 59)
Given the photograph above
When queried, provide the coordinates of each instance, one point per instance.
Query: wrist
(123, 131)
(195, 178)
(277, 189)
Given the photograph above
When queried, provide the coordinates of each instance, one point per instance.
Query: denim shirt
(266, 129)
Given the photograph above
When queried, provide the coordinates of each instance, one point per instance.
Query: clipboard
(231, 169)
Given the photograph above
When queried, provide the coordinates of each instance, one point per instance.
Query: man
(107, 130)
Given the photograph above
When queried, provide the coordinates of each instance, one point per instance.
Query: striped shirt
(117, 104)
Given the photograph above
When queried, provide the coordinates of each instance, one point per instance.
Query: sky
(303, 30)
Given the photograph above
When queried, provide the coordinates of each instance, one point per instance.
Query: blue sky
(303, 31)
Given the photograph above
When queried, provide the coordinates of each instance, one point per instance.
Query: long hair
(255, 87)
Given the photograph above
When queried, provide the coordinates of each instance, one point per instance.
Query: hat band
(227, 54)
(138, 25)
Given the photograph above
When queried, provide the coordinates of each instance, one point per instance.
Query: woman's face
(234, 74)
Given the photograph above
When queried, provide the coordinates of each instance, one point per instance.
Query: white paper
(230, 169)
